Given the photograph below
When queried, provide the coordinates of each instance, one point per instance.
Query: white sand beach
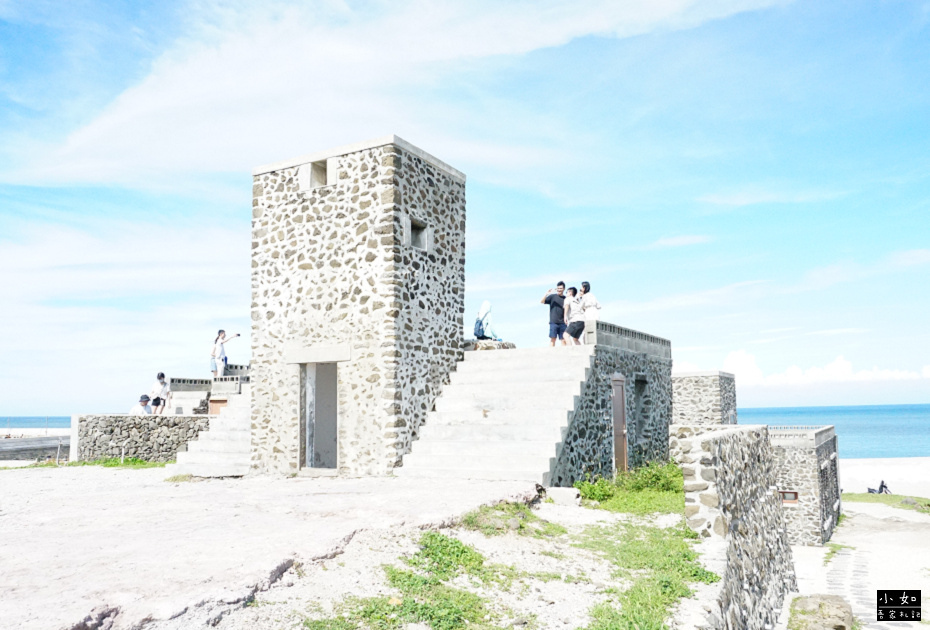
(32, 432)
(903, 475)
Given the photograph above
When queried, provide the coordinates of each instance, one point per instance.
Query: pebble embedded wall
(807, 463)
(152, 438)
(335, 265)
(729, 475)
(704, 398)
(588, 446)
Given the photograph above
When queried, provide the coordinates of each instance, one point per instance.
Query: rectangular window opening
(419, 235)
(318, 174)
(789, 498)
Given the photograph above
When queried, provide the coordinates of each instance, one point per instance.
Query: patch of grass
(834, 548)
(424, 595)
(920, 504)
(106, 462)
(552, 554)
(179, 478)
(661, 564)
(652, 488)
(493, 520)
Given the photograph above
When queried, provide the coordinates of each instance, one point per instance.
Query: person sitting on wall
(142, 407)
(484, 326)
(218, 353)
(574, 315)
(161, 394)
(555, 298)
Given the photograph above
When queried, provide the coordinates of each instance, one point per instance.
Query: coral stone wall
(334, 265)
(730, 494)
(704, 398)
(152, 438)
(588, 446)
(806, 463)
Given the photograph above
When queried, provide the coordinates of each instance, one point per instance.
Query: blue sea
(863, 432)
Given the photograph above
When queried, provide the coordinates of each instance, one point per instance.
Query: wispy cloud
(755, 197)
(840, 370)
(678, 241)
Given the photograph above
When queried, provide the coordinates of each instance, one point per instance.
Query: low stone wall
(704, 398)
(588, 447)
(152, 438)
(730, 495)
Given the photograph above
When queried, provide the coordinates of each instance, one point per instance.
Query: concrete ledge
(355, 148)
(706, 373)
(295, 352)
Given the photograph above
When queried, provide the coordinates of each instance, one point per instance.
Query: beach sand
(902, 475)
(32, 432)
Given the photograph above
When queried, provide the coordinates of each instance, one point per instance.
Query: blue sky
(749, 179)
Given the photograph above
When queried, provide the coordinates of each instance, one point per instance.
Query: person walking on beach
(574, 316)
(161, 394)
(218, 354)
(555, 298)
(142, 407)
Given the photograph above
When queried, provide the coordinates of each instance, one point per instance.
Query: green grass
(894, 500)
(834, 548)
(106, 462)
(653, 488)
(179, 478)
(424, 596)
(661, 564)
(493, 520)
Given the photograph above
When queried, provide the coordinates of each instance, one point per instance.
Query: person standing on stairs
(555, 298)
(589, 306)
(218, 354)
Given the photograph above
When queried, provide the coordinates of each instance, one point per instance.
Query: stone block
(564, 496)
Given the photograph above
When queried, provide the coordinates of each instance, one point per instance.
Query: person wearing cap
(142, 408)
(161, 394)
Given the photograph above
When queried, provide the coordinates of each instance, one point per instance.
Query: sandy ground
(904, 475)
(890, 550)
(31, 432)
(134, 547)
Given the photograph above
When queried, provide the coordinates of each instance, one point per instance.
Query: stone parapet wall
(588, 447)
(730, 495)
(152, 438)
(807, 463)
(704, 398)
(607, 334)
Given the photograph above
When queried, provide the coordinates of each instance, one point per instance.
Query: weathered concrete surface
(75, 539)
(890, 550)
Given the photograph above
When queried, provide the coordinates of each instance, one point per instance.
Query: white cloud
(840, 370)
(755, 197)
(678, 241)
(248, 85)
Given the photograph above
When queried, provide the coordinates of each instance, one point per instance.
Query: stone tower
(358, 294)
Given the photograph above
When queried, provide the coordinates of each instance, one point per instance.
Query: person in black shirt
(555, 298)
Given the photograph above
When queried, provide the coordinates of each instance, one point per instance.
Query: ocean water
(863, 432)
(35, 422)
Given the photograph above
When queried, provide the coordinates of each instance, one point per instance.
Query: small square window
(419, 235)
(317, 174)
(790, 498)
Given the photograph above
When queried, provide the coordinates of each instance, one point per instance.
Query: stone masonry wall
(588, 447)
(730, 494)
(332, 266)
(806, 463)
(152, 438)
(704, 398)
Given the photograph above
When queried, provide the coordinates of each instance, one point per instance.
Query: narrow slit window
(419, 235)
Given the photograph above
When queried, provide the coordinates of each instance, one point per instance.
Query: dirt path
(890, 549)
(136, 547)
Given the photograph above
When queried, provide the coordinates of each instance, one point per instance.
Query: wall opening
(788, 497)
(419, 235)
(319, 416)
(317, 174)
(639, 409)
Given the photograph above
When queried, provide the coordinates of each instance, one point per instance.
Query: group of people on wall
(569, 311)
(159, 397)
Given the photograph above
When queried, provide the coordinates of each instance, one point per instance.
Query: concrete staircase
(223, 450)
(502, 416)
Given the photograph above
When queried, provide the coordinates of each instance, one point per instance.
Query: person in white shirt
(218, 353)
(142, 408)
(161, 394)
(484, 324)
(589, 304)
(574, 316)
